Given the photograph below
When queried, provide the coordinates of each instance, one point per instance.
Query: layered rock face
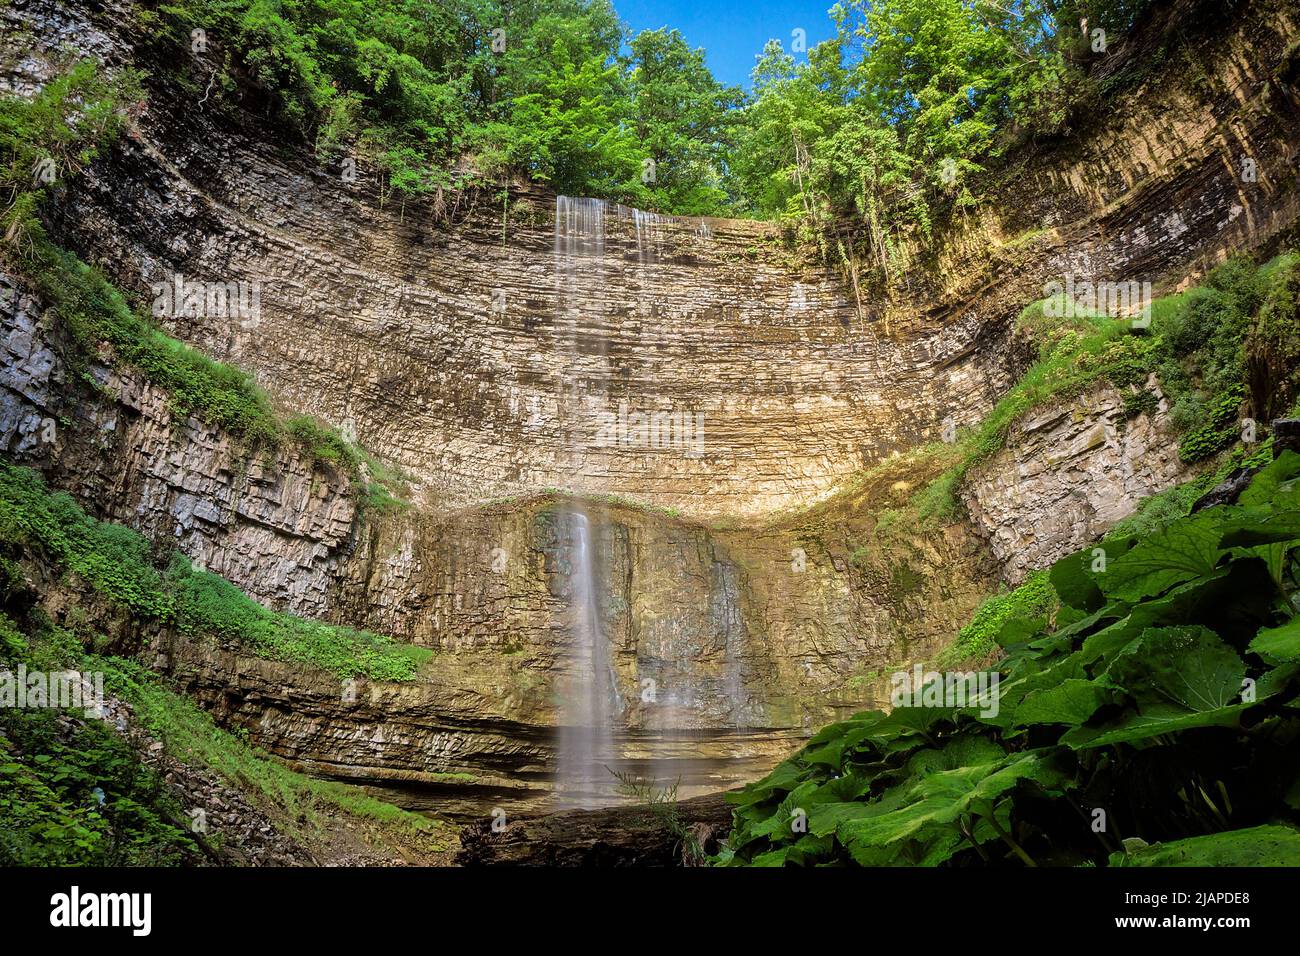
(1070, 472)
(500, 351)
(274, 522)
(680, 362)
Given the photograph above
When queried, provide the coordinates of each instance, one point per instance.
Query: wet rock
(1286, 435)
(677, 834)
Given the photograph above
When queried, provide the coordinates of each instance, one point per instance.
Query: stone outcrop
(272, 521)
(1069, 473)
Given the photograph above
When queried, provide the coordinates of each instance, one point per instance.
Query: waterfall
(693, 703)
(591, 703)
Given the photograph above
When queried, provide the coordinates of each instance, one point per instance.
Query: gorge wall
(484, 349)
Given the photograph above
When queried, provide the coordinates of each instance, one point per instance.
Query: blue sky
(731, 31)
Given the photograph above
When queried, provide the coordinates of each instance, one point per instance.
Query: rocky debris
(1286, 435)
(677, 834)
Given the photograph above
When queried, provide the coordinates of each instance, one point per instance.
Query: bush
(1272, 345)
(1033, 600)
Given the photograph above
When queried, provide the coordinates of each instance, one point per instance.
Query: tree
(684, 120)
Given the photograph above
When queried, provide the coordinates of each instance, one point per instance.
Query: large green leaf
(1187, 549)
(1179, 678)
(1274, 555)
(1187, 667)
(939, 798)
(1070, 702)
(1153, 722)
(1271, 479)
(1269, 845)
(1279, 644)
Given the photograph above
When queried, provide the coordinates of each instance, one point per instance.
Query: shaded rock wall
(1069, 473)
(272, 522)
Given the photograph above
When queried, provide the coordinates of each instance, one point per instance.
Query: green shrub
(77, 795)
(1220, 427)
(1164, 692)
(1033, 600)
(1272, 344)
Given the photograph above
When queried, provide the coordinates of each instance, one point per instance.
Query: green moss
(118, 564)
(1033, 599)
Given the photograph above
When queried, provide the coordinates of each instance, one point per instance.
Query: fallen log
(661, 834)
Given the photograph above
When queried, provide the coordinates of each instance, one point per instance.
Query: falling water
(591, 702)
(692, 705)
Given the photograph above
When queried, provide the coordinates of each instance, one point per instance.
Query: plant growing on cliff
(75, 791)
(1032, 601)
(55, 134)
(1157, 707)
(117, 564)
(72, 792)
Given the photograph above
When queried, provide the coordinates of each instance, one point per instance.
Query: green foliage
(446, 95)
(685, 120)
(1197, 345)
(1161, 694)
(898, 111)
(94, 312)
(209, 605)
(54, 135)
(117, 563)
(114, 560)
(1272, 344)
(899, 114)
(1268, 845)
(1219, 429)
(1033, 600)
(72, 792)
(1071, 359)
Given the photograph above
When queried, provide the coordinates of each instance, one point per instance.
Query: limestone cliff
(501, 353)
